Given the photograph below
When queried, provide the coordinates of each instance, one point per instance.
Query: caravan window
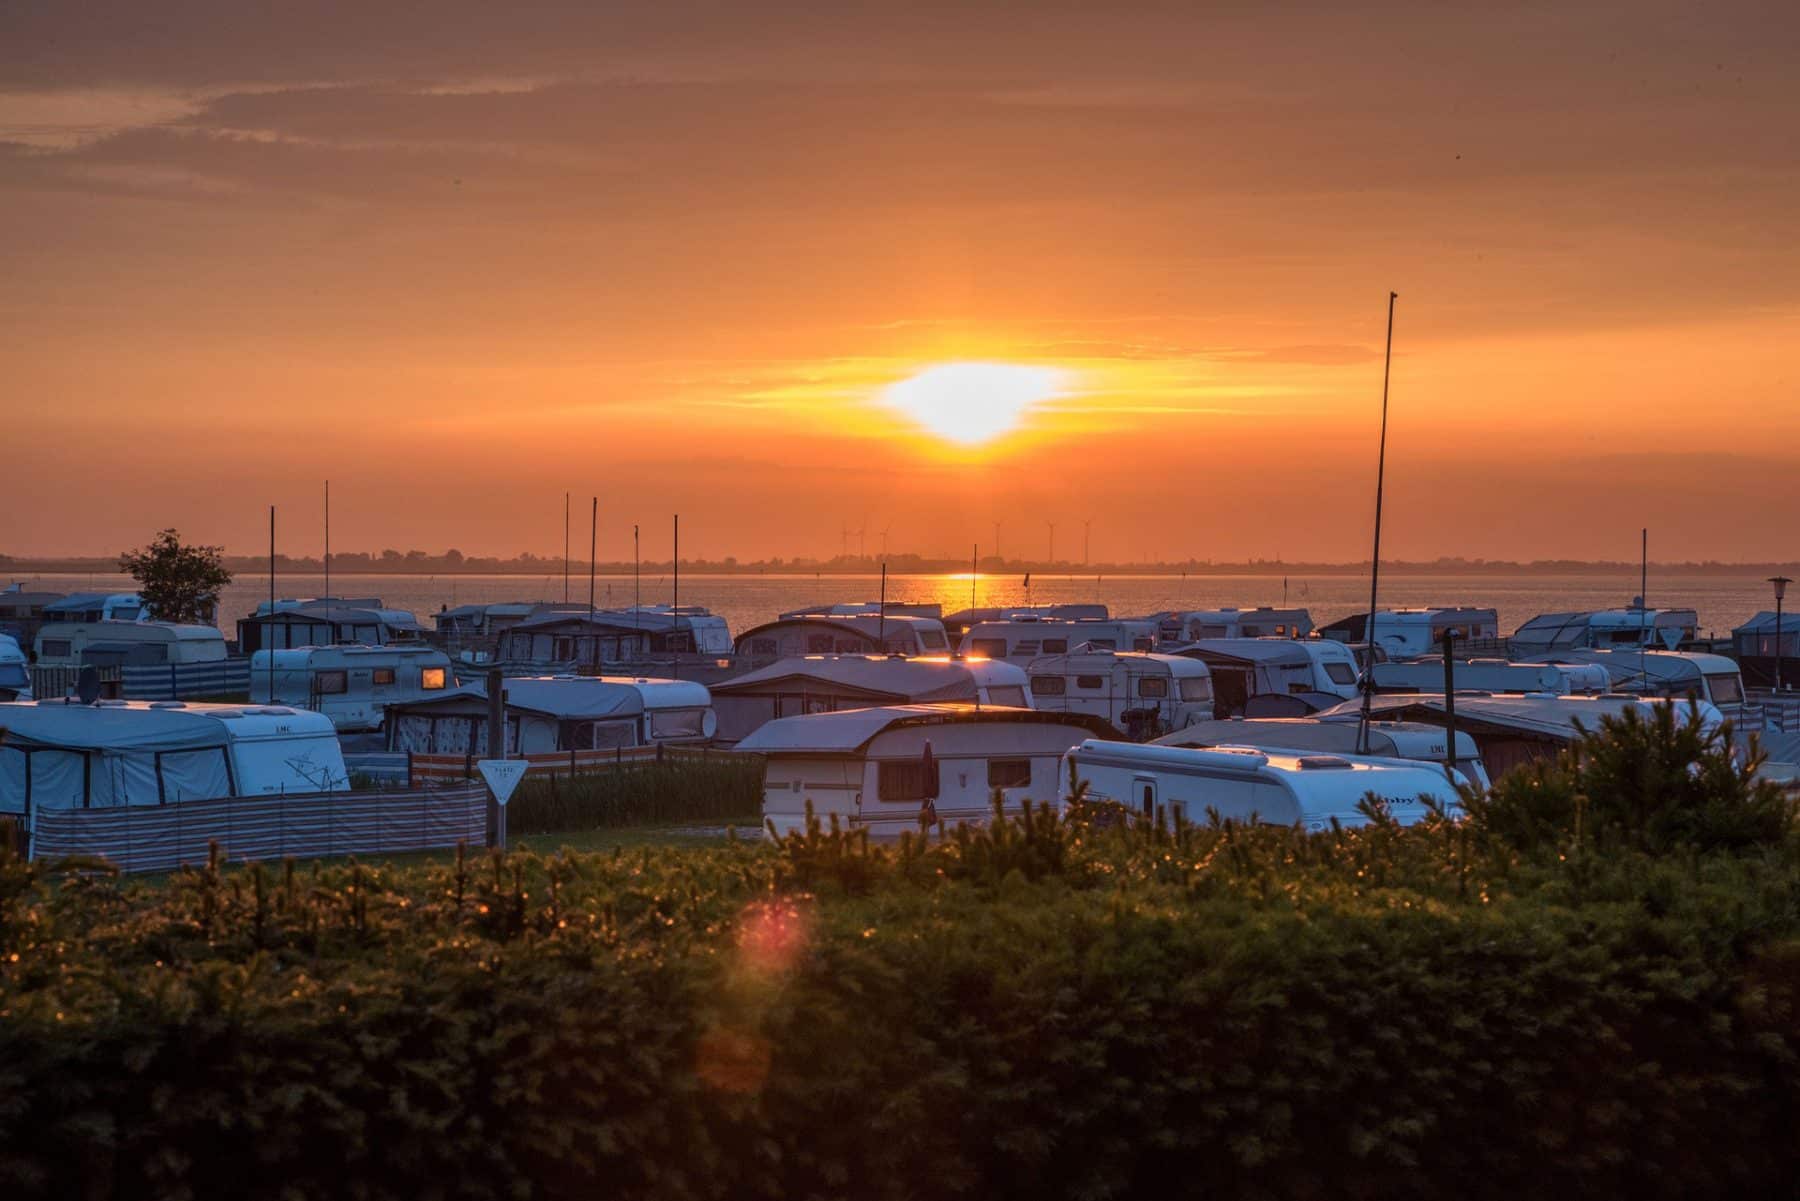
(1009, 773)
(1340, 673)
(431, 679)
(1048, 686)
(988, 648)
(331, 683)
(932, 640)
(678, 723)
(902, 780)
(56, 648)
(1008, 694)
(1727, 688)
(764, 646)
(1153, 686)
(818, 644)
(1056, 646)
(1196, 688)
(1090, 682)
(382, 675)
(601, 735)
(1103, 644)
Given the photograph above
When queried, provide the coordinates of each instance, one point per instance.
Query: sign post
(502, 776)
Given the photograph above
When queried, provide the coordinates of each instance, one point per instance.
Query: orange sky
(672, 253)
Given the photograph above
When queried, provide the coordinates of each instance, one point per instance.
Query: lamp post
(1781, 582)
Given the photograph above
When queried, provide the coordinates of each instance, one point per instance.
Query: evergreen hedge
(1042, 1009)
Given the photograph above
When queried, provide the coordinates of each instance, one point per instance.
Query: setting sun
(973, 402)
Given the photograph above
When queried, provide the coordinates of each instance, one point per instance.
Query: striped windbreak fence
(181, 681)
(155, 838)
(426, 768)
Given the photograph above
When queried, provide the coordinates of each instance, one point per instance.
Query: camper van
(15, 676)
(65, 754)
(827, 683)
(1161, 783)
(352, 685)
(127, 644)
(1140, 694)
(1402, 634)
(1414, 741)
(84, 607)
(558, 713)
(325, 621)
(1490, 675)
(1181, 628)
(1275, 677)
(1026, 638)
(869, 768)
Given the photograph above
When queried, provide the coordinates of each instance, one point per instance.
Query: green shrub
(720, 789)
(1650, 783)
(1040, 1009)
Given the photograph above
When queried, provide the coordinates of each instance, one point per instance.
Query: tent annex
(826, 683)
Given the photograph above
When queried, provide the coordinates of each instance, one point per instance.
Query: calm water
(744, 601)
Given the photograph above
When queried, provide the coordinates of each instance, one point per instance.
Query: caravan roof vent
(1323, 763)
(168, 704)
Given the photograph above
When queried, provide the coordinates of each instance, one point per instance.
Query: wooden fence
(155, 838)
(433, 768)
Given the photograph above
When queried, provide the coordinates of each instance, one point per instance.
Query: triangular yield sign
(1671, 636)
(503, 776)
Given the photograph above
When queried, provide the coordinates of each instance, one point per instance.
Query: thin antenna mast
(565, 548)
(1368, 680)
(593, 545)
(328, 552)
(269, 637)
(674, 654)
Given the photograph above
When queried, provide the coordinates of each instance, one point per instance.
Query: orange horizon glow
(924, 272)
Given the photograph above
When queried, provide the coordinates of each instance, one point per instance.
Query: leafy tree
(178, 583)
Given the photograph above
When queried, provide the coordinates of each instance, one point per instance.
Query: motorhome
(1182, 627)
(127, 644)
(872, 769)
(325, 621)
(1634, 626)
(1275, 677)
(1024, 639)
(855, 634)
(1513, 729)
(1491, 675)
(558, 713)
(1139, 693)
(827, 683)
(1403, 634)
(959, 623)
(1416, 741)
(65, 754)
(15, 675)
(1313, 791)
(1712, 678)
(1757, 647)
(352, 685)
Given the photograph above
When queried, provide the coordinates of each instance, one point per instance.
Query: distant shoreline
(14, 568)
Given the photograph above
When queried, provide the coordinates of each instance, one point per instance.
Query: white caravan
(1140, 694)
(867, 768)
(1712, 678)
(1286, 676)
(959, 623)
(1416, 741)
(15, 676)
(128, 644)
(827, 683)
(1402, 634)
(1026, 638)
(1181, 628)
(1160, 783)
(96, 606)
(1491, 675)
(874, 608)
(352, 685)
(64, 754)
(1658, 629)
(854, 634)
(558, 713)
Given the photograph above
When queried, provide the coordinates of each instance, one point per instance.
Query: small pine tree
(178, 583)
